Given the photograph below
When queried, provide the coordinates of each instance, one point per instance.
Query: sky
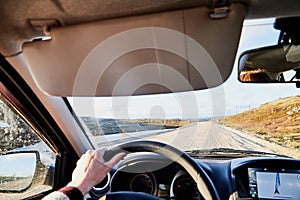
(18, 165)
(230, 98)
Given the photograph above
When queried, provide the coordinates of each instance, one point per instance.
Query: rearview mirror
(274, 64)
(17, 170)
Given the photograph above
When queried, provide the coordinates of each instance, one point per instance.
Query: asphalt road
(200, 135)
(208, 135)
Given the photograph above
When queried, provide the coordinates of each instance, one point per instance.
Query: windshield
(260, 117)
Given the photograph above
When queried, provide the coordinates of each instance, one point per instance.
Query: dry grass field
(277, 121)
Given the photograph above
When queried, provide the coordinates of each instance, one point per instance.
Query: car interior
(180, 86)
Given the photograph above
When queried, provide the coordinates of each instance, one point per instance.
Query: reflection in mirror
(17, 171)
(279, 64)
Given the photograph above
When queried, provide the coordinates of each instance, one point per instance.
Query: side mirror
(273, 64)
(17, 170)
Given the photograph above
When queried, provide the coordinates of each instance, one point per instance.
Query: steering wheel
(204, 183)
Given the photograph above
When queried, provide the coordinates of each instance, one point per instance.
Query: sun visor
(148, 54)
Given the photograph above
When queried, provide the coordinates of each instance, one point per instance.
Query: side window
(26, 163)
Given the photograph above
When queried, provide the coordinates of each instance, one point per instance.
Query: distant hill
(99, 126)
(277, 121)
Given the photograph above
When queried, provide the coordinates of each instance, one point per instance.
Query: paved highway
(200, 135)
(208, 135)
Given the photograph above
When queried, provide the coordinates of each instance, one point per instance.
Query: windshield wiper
(228, 152)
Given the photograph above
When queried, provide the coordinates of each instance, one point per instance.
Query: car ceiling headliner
(16, 16)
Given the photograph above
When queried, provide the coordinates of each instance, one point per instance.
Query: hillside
(98, 126)
(277, 121)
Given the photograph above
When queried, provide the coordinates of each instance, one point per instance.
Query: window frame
(23, 100)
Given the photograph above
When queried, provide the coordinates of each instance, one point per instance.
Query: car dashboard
(234, 178)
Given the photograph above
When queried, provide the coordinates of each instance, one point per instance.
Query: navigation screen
(265, 183)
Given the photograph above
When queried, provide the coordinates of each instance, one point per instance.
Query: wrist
(72, 192)
(82, 187)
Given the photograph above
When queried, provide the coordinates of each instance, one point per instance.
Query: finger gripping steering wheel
(204, 183)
